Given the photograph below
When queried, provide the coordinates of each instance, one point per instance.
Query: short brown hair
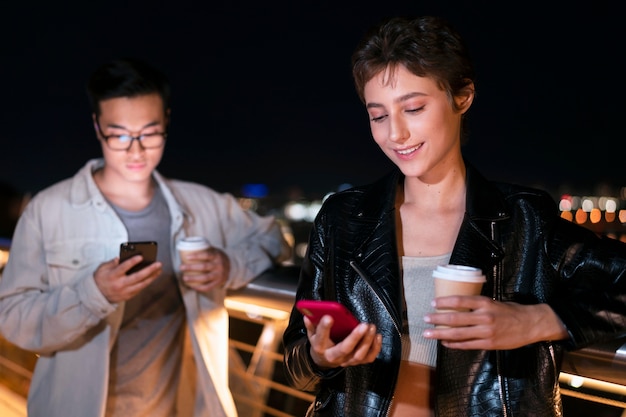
(427, 46)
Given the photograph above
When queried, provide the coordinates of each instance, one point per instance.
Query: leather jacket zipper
(367, 279)
(496, 290)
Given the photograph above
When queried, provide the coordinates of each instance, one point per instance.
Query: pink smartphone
(343, 322)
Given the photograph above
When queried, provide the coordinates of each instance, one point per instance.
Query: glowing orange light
(609, 216)
(581, 216)
(595, 215)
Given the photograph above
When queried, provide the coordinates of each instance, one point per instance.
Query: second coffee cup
(457, 280)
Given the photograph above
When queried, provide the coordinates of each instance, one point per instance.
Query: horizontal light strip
(253, 310)
(571, 383)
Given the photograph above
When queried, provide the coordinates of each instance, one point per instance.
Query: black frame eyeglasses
(124, 142)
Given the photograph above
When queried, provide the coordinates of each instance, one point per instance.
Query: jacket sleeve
(300, 370)
(592, 297)
(298, 364)
(252, 242)
(39, 311)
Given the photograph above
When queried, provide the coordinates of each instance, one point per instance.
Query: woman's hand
(361, 346)
(492, 325)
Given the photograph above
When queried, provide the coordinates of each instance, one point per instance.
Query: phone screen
(146, 249)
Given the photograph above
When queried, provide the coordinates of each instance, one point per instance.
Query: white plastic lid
(192, 243)
(459, 273)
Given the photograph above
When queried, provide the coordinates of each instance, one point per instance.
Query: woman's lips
(408, 151)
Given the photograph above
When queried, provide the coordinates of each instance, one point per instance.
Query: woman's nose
(398, 130)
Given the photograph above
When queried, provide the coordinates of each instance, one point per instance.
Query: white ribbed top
(419, 291)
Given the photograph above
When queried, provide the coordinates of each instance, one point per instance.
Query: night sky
(263, 94)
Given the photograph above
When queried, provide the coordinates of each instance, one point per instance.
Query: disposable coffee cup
(190, 245)
(457, 280)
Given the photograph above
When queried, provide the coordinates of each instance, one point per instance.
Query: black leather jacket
(529, 254)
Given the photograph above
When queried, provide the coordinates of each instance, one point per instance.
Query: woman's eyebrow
(400, 99)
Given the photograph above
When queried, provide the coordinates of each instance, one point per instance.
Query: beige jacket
(50, 305)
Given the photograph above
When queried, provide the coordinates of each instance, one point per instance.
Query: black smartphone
(146, 249)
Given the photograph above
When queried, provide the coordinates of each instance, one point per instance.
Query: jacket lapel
(372, 228)
(478, 242)
(375, 258)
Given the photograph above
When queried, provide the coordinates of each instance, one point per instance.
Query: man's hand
(116, 286)
(206, 269)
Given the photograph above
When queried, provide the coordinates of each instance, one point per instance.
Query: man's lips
(135, 165)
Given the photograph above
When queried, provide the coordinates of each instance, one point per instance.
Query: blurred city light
(595, 215)
(302, 211)
(254, 190)
(4, 257)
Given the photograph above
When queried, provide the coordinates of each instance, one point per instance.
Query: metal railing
(258, 317)
(259, 314)
(596, 374)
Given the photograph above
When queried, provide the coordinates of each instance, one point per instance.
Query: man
(112, 343)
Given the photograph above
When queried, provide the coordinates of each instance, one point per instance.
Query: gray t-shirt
(147, 355)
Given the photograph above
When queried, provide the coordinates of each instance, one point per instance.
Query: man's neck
(128, 195)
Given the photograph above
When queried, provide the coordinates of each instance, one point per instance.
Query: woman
(551, 285)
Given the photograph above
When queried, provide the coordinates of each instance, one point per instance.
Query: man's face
(131, 116)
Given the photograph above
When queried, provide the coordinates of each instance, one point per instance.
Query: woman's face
(414, 122)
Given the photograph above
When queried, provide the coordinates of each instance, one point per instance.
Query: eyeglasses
(124, 142)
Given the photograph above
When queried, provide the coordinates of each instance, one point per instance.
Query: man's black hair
(126, 77)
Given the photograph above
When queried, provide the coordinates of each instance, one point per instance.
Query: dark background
(262, 92)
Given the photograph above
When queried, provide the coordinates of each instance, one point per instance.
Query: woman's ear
(464, 99)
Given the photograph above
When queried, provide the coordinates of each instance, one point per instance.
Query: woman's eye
(415, 110)
(377, 118)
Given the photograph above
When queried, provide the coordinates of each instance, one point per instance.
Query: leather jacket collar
(483, 201)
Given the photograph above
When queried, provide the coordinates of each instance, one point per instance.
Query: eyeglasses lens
(123, 142)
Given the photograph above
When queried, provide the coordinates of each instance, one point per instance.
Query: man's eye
(123, 138)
